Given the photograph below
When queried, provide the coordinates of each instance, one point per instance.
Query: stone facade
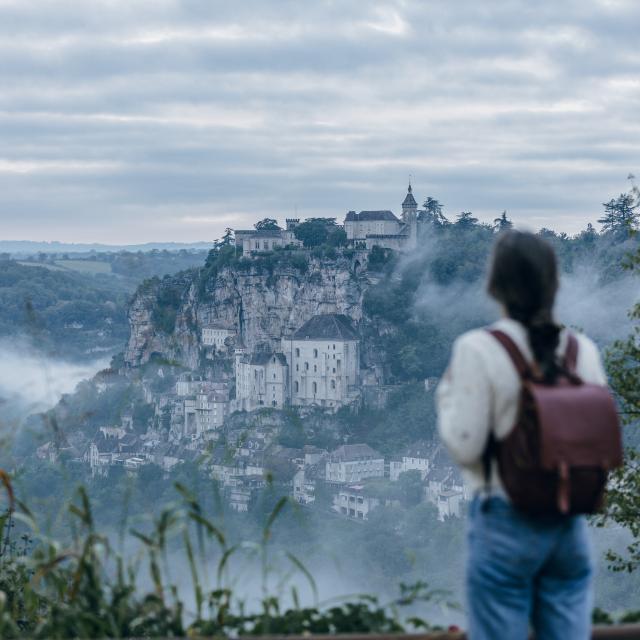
(261, 380)
(215, 335)
(324, 362)
(252, 241)
(353, 463)
(383, 229)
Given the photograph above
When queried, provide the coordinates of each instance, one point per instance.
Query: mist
(31, 381)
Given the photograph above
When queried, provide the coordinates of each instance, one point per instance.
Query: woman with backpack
(524, 409)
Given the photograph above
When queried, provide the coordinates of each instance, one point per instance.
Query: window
(314, 386)
(297, 367)
(274, 403)
(296, 386)
(297, 353)
(334, 347)
(306, 366)
(333, 384)
(315, 353)
(315, 368)
(333, 370)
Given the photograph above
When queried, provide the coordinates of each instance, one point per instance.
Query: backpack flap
(579, 426)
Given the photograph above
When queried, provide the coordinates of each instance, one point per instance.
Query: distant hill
(29, 247)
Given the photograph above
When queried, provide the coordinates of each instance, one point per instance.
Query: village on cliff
(224, 410)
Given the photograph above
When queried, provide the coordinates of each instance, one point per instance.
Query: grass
(83, 588)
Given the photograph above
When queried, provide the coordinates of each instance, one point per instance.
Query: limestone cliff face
(262, 304)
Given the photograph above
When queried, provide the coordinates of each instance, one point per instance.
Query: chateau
(364, 230)
(368, 229)
(318, 365)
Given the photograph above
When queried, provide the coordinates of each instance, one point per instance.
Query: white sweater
(480, 391)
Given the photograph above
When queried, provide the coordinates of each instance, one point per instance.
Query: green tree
(410, 486)
(465, 220)
(227, 239)
(314, 232)
(502, 223)
(623, 501)
(433, 213)
(267, 224)
(620, 215)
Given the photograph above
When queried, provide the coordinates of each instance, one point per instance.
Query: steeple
(409, 205)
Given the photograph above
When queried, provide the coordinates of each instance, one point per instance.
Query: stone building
(368, 229)
(261, 380)
(354, 463)
(215, 334)
(251, 241)
(324, 362)
(205, 412)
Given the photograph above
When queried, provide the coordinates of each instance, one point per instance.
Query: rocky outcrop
(263, 304)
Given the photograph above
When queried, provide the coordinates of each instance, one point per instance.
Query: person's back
(520, 568)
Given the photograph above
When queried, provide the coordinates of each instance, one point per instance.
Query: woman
(521, 570)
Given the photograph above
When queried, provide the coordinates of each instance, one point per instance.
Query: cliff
(263, 299)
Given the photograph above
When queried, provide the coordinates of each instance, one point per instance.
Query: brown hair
(524, 278)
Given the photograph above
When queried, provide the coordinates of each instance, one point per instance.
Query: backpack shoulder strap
(522, 366)
(571, 354)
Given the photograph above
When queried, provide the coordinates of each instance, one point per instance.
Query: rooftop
(328, 326)
(354, 452)
(371, 216)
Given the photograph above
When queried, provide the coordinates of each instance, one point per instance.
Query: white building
(215, 334)
(355, 502)
(252, 241)
(261, 380)
(205, 412)
(324, 362)
(382, 228)
(353, 463)
(449, 504)
(417, 456)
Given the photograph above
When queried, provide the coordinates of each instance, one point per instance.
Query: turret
(409, 206)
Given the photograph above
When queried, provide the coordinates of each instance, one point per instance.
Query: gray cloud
(170, 119)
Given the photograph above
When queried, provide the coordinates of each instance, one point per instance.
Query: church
(383, 229)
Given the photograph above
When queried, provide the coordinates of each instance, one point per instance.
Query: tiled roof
(327, 326)
(371, 216)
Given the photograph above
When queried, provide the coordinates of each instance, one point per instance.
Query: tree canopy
(267, 224)
(620, 215)
(314, 232)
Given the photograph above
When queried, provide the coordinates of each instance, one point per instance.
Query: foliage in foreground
(623, 364)
(84, 588)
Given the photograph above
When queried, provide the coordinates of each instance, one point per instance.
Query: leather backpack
(565, 440)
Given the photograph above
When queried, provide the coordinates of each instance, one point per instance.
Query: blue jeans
(525, 571)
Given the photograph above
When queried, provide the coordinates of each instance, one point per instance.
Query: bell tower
(409, 206)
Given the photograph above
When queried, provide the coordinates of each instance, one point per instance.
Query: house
(215, 335)
(382, 228)
(353, 463)
(261, 380)
(324, 362)
(449, 504)
(204, 412)
(418, 457)
(252, 241)
(358, 500)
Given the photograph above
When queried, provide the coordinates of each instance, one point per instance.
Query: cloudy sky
(140, 120)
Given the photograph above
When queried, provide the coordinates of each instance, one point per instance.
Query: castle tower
(409, 206)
